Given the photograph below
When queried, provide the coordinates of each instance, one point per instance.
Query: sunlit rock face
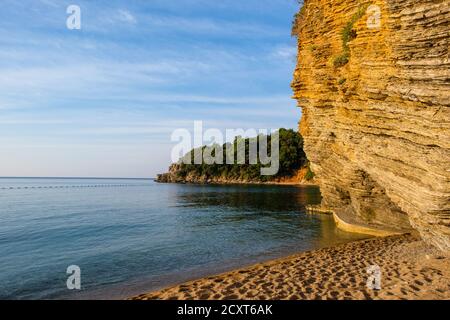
(374, 85)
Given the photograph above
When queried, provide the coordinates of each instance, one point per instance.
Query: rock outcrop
(299, 176)
(373, 80)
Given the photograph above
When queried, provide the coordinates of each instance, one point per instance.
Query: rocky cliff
(373, 81)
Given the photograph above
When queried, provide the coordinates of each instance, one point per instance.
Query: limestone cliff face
(374, 86)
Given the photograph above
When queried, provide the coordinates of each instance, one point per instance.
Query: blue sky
(103, 101)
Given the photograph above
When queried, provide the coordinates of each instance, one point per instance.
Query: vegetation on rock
(309, 174)
(348, 34)
(291, 159)
(297, 17)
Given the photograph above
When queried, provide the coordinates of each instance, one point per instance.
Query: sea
(125, 237)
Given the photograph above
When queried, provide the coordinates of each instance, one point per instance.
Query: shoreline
(241, 183)
(410, 270)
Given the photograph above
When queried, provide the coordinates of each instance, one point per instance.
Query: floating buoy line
(74, 186)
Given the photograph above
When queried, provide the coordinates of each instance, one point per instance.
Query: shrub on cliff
(309, 174)
(297, 17)
(348, 34)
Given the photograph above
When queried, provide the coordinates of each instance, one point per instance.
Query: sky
(104, 100)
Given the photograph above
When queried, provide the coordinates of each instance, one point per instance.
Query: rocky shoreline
(298, 178)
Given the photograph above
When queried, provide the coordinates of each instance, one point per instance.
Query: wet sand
(409, 270)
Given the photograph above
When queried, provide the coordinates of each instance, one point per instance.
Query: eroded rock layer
(373, 81)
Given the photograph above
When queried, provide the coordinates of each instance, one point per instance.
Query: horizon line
(99, 178)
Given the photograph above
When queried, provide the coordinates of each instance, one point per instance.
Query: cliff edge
(373, 80)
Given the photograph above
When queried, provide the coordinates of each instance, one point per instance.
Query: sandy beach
(409, 270)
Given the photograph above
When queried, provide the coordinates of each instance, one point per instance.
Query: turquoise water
(132, 236)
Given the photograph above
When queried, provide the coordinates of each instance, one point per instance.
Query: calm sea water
(132, 236)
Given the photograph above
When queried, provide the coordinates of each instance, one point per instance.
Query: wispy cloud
(126, 16)
(285, 52)
(134, 72)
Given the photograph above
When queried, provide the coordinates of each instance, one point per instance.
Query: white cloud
(126, 16)
(208, 26)
(34, 121)
(285, 52)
